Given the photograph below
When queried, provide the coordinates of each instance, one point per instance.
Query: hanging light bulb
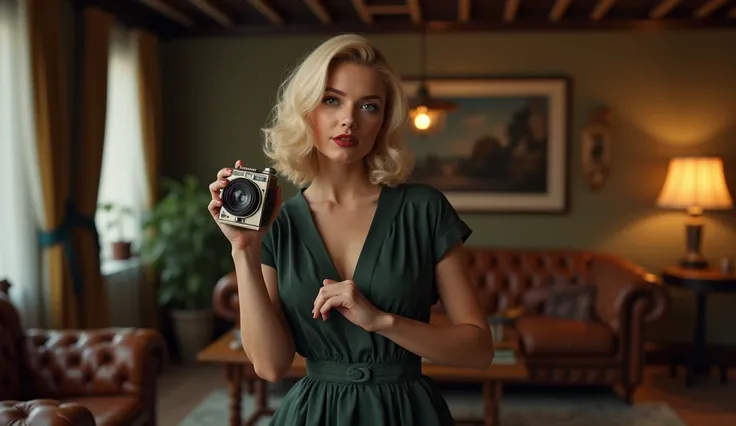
(421, 118)
(427, 114)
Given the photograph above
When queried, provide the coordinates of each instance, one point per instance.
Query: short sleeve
(268, 246)
(449, 229)
(267, 256)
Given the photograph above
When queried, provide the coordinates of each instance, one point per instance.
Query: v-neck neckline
(386, 208)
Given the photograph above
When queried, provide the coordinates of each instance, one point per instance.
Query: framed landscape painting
(503, 149)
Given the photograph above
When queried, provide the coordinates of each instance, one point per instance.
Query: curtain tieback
(63, 235)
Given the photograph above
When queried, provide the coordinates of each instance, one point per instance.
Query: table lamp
(695, 184)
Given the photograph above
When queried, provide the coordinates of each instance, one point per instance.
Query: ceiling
(201, 18)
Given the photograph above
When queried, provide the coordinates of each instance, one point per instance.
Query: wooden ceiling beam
(415, 11)
(362, 10)
(319, 10)
(709, 7)
(389, 9)
(601, 8)
(367, 13)
(266, 10)
(558, 10)
(509, 11)
(664, 7)
(463, 10)
(169, 12)
(208, 9)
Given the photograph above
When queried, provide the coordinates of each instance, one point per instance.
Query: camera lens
(241, 197)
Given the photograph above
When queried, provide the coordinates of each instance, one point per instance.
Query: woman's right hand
(240, 238)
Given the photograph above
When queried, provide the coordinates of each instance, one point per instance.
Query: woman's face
(351, 114)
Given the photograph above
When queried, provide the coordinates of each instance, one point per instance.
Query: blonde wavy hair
(289, 141)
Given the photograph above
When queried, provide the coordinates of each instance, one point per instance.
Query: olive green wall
(671, 94)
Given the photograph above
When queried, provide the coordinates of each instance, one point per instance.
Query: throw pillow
(568, 301)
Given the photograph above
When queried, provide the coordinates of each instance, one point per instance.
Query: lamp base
(694, 236)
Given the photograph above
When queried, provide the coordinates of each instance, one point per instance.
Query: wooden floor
(708, 403)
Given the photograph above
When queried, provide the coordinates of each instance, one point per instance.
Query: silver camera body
(249, 197)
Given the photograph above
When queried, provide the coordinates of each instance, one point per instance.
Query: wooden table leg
(260, 388)
(491, 401)
(234, 374)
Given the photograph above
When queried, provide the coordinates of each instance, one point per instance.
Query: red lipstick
(345, 141)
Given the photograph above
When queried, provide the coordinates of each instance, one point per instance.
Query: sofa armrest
(628, 297)
(44, 412)
(627, 294)
(225, 298)
(109, 361)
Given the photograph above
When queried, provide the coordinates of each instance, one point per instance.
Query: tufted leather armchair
(607, 349)
(76, 377)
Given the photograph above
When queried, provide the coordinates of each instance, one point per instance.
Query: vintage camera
(248, 199)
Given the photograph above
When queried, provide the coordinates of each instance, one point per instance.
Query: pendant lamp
(427, 114)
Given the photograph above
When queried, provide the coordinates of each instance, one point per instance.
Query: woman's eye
(370, 107)
(330, 100)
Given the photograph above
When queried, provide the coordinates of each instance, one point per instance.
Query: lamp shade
(695, 182)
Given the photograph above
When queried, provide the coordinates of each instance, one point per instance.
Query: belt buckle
(359, 373)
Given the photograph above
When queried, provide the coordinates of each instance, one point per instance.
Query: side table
(701, 282)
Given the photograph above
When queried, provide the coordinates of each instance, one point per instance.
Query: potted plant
(188, 251)
(121, 247)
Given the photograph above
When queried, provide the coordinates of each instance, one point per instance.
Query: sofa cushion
(112, 410)
(545, 335)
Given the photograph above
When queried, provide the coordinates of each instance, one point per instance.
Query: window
(123, 179)
(7, 129)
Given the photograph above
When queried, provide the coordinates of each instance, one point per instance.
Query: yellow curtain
(94, 310)
(68, 236)
(49, 78)
(150, 110)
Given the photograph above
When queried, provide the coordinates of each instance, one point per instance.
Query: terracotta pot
(121, 250)
(193, 330)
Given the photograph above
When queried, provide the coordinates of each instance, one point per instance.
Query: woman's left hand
(346, 298)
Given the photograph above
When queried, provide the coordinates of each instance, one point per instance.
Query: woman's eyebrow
(341, 93)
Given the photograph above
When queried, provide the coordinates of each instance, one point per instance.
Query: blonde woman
(350, 266)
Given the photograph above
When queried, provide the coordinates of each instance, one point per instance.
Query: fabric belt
(368, 373)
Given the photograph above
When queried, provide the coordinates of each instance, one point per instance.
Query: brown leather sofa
(605, 349)
(76, 377)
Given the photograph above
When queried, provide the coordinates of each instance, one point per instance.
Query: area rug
(516, 410)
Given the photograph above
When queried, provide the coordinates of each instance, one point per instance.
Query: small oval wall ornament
(596, 145)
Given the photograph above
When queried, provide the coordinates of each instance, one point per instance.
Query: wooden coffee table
(227, 351)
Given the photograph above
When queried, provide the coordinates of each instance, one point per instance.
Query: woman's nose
(348, 120)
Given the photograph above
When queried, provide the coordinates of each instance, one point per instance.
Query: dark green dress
(357, 378)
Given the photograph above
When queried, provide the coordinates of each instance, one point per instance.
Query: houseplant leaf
(185, 246)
